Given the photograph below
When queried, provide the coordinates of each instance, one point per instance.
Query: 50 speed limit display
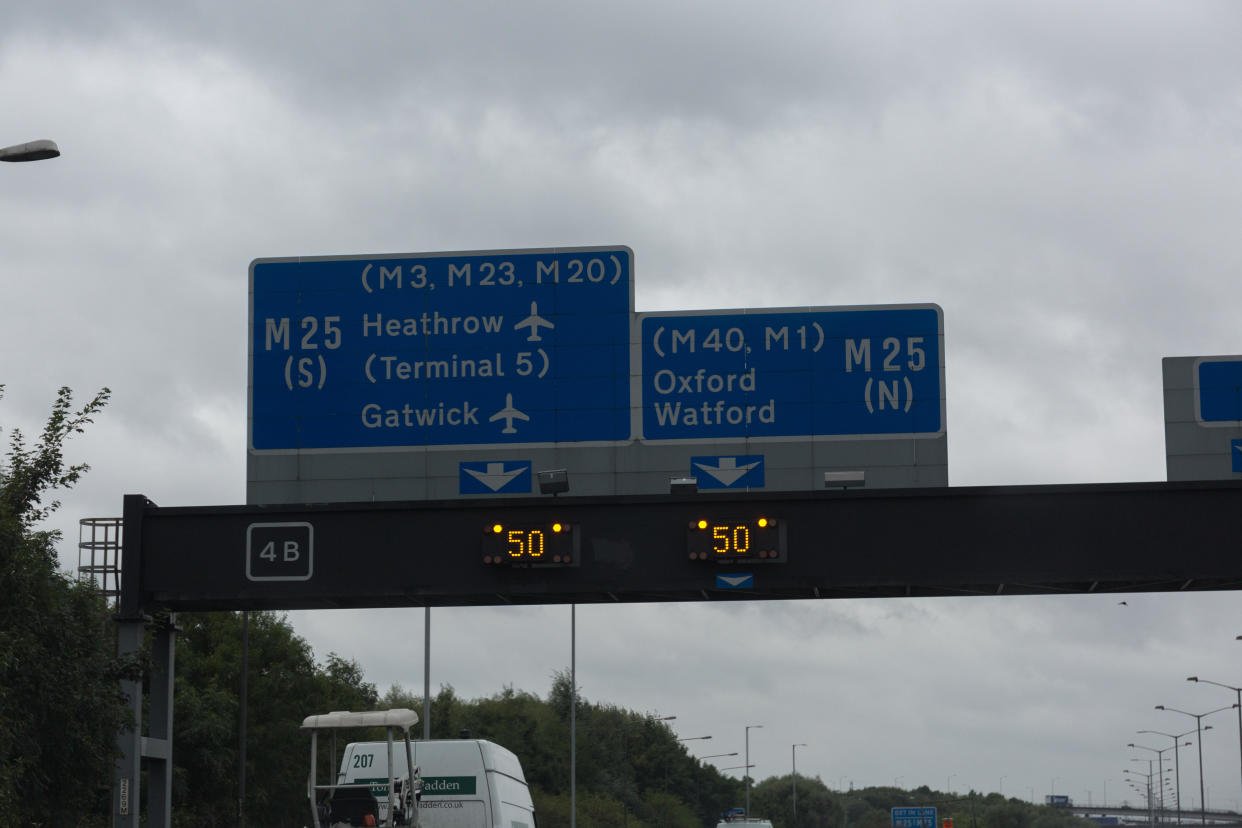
(550, 543)
(736, 538)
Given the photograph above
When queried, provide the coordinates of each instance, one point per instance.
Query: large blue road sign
(1218, 382)
(793, 373)
(494, 348)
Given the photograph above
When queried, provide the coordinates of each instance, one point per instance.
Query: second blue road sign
(791, 373)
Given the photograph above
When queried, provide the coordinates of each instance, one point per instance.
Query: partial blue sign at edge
(1218, 391)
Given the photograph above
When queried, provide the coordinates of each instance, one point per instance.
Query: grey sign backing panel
(1201, 435)
(911, 451)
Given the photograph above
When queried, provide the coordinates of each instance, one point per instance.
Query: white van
(467, 783)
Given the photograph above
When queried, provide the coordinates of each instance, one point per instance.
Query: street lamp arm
(1196, 715)
(1198, 680)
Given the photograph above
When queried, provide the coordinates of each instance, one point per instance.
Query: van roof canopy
(401, 717)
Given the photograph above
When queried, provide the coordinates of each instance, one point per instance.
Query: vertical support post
(241, 723)
(573, 715)
(793, 780)
(310, 777)
(157, 747)
(426, 673)
(126, 779)
(131, 624)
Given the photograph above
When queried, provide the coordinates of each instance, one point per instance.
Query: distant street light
(31, 151)
(1198, 717)
(1159, 764)
(694, 738)
(1238, 692)
(793, 750)
(1151, 804)
(748, 765)
(1177, 765)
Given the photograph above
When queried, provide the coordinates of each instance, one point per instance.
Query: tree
(817, 807)
(285, 685)
(60, 701)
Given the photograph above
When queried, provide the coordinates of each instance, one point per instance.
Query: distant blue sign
(452, 349)
(495, 477)
(1235, 453)
(806, 372)
(914, 817)
(1219, 386)
(734, 471)
(743, 580)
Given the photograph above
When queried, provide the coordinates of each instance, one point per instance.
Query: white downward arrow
(728, 471)
(495, 477)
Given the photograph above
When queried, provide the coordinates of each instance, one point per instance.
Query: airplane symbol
(727, 470)
(534, 322)
(508, 414)
(494, 475)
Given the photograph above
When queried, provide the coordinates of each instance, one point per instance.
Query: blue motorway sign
(920, 817)
(447, 349)
(1219, 386)
(792, 373)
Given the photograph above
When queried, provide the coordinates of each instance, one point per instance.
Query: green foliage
(631, 770)
(817, 807)
(284, 685)
(60, 704)
(871, 808)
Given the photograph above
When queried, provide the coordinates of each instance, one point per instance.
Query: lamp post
(748, 765)
(1238, 692)
(1151, 804)
(1159, 766)
(1198, 717)
(793, 751)
(30, 151)
(1177, 765)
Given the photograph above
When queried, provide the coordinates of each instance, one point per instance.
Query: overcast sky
(1062, 178)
